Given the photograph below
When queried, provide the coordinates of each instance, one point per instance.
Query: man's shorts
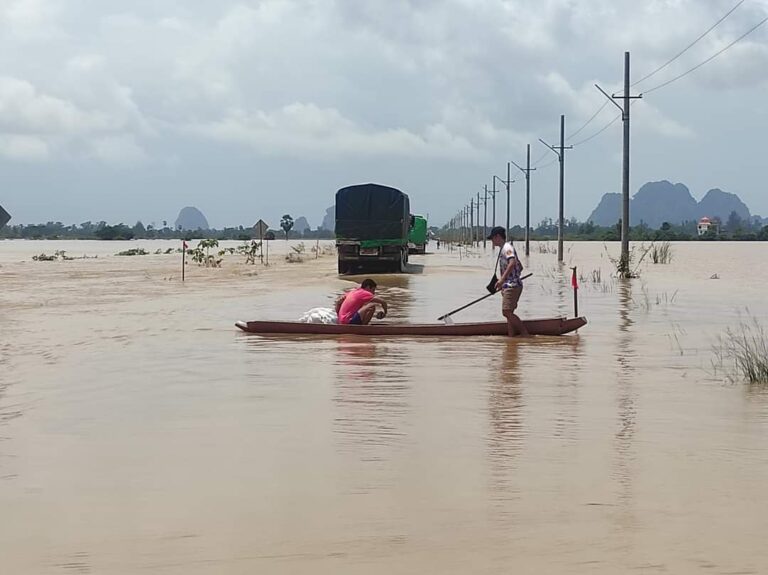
(356, 319)
(509, 298)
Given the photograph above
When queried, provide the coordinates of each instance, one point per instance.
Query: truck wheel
(343, 268)
(403, 261)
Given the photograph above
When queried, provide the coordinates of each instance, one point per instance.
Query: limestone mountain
(718, 203)
(608, 211)
(190, 218)
(329, 221)
(659, 202)
(301, 225)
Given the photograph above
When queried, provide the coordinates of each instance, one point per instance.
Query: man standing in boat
(357, 306)
(509, 283)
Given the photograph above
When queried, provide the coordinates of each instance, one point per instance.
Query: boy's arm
(505, 275)
(381, 302)
(510, 267)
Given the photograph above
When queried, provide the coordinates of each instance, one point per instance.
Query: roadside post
(261, 228)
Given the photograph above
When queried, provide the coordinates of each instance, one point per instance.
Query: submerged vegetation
(661, 253)
(133, 252)
(742, 353)
(59, 255)
(297, 255)
(202, 255)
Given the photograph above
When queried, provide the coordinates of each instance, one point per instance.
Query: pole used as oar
(575, 286)
(450, 313)
(183, 257)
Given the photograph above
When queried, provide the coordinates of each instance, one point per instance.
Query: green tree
(286, 222)
(734, 222)
(118, 232)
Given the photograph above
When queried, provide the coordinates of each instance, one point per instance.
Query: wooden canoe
(550, 326)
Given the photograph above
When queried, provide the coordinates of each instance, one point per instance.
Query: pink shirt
(352, 303)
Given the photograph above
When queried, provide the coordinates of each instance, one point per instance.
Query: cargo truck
(417, 235)
(372, 225)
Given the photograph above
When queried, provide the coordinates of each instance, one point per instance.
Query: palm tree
(286, 223)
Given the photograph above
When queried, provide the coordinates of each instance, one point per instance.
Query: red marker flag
(184, 244)
(574, 283)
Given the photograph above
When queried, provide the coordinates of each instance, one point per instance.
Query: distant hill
(329, 221)
(719, 203)
(659, 202)
(190, 218)
(301, 225)
(608, 211)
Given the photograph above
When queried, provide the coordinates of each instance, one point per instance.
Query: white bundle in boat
(319, 315)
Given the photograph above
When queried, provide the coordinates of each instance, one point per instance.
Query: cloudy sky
(127, 111)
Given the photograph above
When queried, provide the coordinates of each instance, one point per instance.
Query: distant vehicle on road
(372, 225)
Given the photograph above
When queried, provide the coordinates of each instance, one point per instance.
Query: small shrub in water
(133, 252)
(661, 253)
(57, 255)
(742, 353)
(201, 254)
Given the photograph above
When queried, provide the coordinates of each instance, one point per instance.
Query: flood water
(140, 432)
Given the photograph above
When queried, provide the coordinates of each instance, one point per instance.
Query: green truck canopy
(372, 212)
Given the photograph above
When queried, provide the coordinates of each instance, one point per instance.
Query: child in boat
(357, 306)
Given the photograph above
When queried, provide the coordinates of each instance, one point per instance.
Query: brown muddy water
(140, 432)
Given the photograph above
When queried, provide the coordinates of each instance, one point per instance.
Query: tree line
(735, 229)
(103, 231)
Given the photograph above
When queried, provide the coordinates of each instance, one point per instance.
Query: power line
(712, 57)
(588, 122)
(657, 70)
(600, 131)
(689, 46)
(536, 163)
(548, 164)
(603, 129)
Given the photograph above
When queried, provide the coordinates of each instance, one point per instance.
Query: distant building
(706, 224)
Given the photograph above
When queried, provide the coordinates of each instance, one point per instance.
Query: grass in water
(742, 353)
(661, 253)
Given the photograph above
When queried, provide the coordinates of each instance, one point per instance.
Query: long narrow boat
(549, 326)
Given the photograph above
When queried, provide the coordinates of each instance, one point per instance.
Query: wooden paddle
(450, 313)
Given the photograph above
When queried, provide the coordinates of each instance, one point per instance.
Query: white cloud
(121, 151)
(22, 147)
(300, 128)
(24, 109)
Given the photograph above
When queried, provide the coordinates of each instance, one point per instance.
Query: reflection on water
(625, 402)
(506, 437)
(370, 396)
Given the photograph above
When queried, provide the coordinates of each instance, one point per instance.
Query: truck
(417, 235)
(372, 225)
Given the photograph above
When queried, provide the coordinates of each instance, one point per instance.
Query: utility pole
(478, 219)
(560, 151)
(493, 194)
(485, 216)
(472, 221)
(506, 183)
(624, 260)
(467, 225)
(508, 180)
(527, 171)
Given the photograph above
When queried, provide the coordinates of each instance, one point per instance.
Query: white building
(705, 224)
